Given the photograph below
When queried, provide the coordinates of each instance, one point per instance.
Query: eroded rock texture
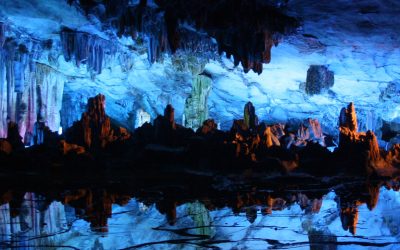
(358, 145)
(29, 90)
(196, 106)
(245, 29)
(250, 117)
(94, 130)
(319, 79)
(85, 48)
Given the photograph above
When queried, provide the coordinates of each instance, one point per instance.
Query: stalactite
(249, 40)
(2, 34)
(50, 86)
(196, 108)
(85, 48)
(28, 89)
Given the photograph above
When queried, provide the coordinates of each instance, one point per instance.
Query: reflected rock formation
(202, 143)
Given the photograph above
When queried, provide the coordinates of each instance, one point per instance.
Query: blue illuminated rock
(319, 79)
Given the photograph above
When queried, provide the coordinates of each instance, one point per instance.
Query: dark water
(90, 218)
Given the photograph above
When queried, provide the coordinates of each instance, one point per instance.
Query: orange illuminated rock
(67, 148)
(363, 145)
(270, 138)
(393, 156)
(95, 130)
(349, 218)
(310, 130)
(348, 118)
(5, 147)
(209, 126)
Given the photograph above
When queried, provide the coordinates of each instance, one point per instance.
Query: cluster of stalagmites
(363, 146)
(282, 147)
(94, 131)
(247, 30)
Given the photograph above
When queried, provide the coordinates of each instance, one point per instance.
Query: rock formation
(209, 126)
(196, 107)
(141, 118)
(68, 148)
(13, 136)
(94, 130)
(270, 138)
(361, 145)
(28, 88)
(310, 130)
(319, 79)
(250, 117)
(249, 46)
(5, 147)
(349, 218)
(348, 118)
(85, 48)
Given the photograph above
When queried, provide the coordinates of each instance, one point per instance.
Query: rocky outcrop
(209, 126)
(393, 156)
(94, 130)
(361, 145)
(391, 92)
(348, 118)
(196, 106)
(5, 147)
(141, 118)
(310, 131)
(319, 79)
(68, 148)
(271, 139)
(250, 117)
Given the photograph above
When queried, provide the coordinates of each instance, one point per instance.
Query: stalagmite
(196, 108)
(94, 130)
(356, 143)
(310, 130)
(250, 117)
(270, 138)
(348, 118)
(141, 118)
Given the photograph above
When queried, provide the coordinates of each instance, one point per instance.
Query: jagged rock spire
(348, 118)
(250, 117)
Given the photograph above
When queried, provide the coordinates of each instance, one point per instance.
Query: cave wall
(85, 59)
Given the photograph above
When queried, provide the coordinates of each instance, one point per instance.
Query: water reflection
(352, 216)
